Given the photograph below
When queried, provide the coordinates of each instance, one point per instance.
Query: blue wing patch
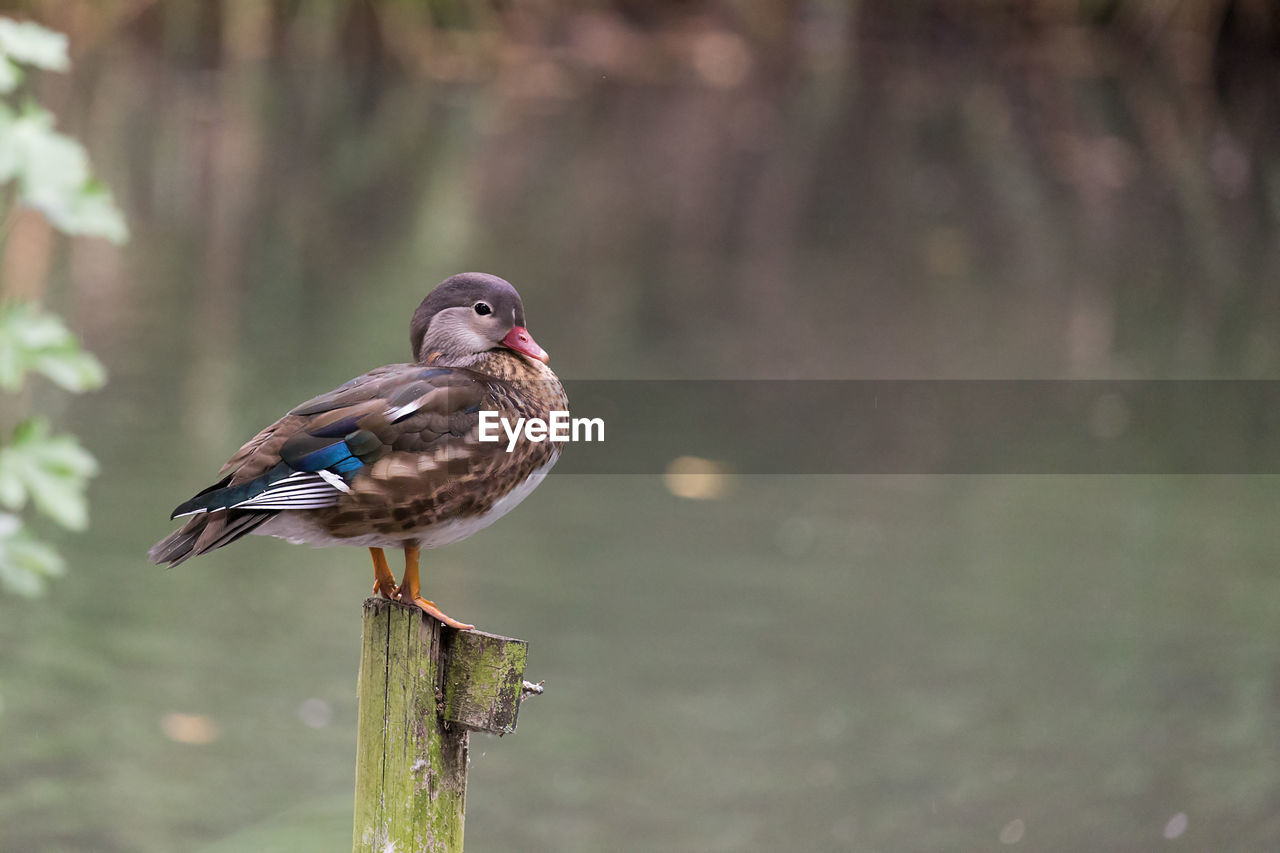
(311, 475)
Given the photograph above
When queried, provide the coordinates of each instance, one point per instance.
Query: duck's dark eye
(482, 308)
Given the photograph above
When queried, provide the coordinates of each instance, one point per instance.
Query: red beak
(522, 342)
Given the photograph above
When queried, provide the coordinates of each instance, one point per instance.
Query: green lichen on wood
(482, 680)
(422, 688)
(410, 769)
(371, 827)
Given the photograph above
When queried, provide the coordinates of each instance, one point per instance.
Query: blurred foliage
(31, 44)
(37, 341)
(52, 173)
(51, 169)
(48, 171)
(47, 470)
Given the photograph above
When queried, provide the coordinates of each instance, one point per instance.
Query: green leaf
(10, 76)
(8, 150)
(53, 176)
(91, 212)
(52, 161)
(25, 562)
(32, 44)
(31, 339)
(52, 471)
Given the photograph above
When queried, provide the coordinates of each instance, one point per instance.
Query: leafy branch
(51, 169)
(48, 171)
(34, 340)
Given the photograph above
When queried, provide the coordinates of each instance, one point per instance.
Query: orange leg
(410, 591)
(384, 583)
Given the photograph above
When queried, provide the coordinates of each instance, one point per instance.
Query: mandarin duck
(393, 458)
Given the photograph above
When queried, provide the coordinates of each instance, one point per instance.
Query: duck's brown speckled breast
(440, 489)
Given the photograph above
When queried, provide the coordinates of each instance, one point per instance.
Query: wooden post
(423, 687)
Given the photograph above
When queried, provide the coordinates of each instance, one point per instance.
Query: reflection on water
(745, 662)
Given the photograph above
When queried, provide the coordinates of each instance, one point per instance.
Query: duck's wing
(309, 459)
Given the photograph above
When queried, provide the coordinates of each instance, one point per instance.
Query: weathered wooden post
(423, 688)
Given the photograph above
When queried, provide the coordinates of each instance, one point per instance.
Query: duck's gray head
(468, 315)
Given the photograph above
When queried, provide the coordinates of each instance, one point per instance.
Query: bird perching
(393, 459)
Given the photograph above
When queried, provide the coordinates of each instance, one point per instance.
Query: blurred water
(801, 663)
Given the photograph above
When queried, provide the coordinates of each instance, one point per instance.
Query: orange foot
(384, 583)
(429, 607)
(409, 592)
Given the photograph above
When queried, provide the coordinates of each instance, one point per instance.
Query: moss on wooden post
(483, 677)
(422, 688)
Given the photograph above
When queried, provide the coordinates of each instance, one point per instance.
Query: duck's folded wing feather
(306, 459)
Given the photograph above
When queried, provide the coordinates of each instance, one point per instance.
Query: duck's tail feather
(203, 533)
